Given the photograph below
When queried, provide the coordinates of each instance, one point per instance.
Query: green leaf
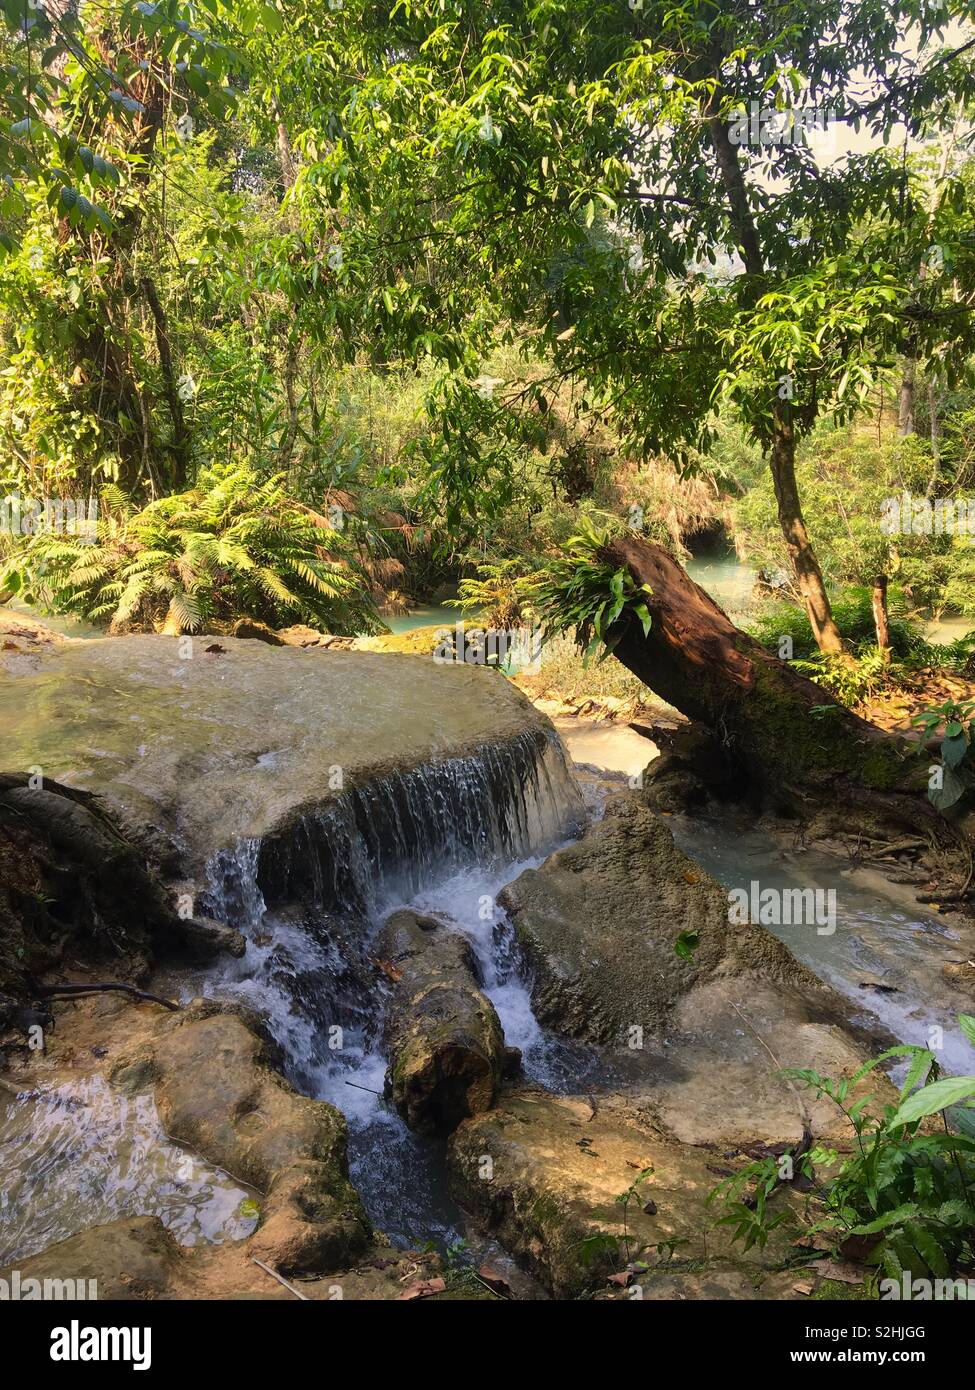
(928, 1101)
(686, 944)
(953, 749)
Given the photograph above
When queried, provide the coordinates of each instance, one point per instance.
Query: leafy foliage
(588, 596)
(904, 1197)
(231, 547)
(957, 749)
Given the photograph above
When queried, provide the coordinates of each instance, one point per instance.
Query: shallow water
(81, 1154)
(728, 580)
(423, 615)
(875, 937)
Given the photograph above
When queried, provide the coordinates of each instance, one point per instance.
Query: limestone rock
(260, 632)
(215, 1093)
(132, 1258)
(703, 1040)
(195, 751)
(543, 1174)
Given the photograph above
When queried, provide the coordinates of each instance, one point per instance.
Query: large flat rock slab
(546, 1175)
(199, 745)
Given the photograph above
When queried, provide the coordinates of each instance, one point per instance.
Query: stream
(444, 841)
(881, 937)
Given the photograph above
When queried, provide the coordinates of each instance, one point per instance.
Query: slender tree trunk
(181, 437)
(808, 574)
(285, 152)
(289, 375)
(881, 618)
(905, 403)
(782, 461)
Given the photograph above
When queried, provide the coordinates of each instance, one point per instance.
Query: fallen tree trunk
(446, 1047)
(785, 741)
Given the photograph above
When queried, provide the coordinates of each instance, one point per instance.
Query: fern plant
(233, 546)
(501, 595)
(587, 596)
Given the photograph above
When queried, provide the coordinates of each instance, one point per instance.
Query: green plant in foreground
(233, 546)
(903, 1199)
(957, 749)
(586, 595)
(851, 680)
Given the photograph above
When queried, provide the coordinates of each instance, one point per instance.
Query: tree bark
(788, 743)
(804, 562)
(905, 403)
(181, 439)
(881, 618)
(782, 456)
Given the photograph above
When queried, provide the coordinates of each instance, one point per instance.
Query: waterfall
(383, 840)
(310, 897)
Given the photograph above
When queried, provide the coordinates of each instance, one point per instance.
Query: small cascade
(445, 838)
(384, 839)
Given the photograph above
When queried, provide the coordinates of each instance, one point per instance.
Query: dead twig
(281, 1280)
(76, 991)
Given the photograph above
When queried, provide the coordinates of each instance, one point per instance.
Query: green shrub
(853, 612)
(903, 1198)
(231, 547)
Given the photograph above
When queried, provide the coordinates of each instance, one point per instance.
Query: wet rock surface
(199, 744)
(704, 1039)
(216, 1093)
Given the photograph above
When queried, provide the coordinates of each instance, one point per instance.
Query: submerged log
(445, 1044)
(790, 744)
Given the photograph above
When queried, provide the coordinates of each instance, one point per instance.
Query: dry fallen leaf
(496, 1282)
(839, 1270)
(389, 970)
(425, 1288)
(802, 1288)
(623, 1280)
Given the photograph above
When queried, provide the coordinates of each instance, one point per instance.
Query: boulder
(198, 747)
(132, 1258)
(703, 1039)
(547, 1177)
(260, 632)
(216, 1093)
(445, 1044)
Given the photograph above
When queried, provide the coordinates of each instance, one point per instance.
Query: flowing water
(879, 939)
(443, 840)
(80, 1154)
